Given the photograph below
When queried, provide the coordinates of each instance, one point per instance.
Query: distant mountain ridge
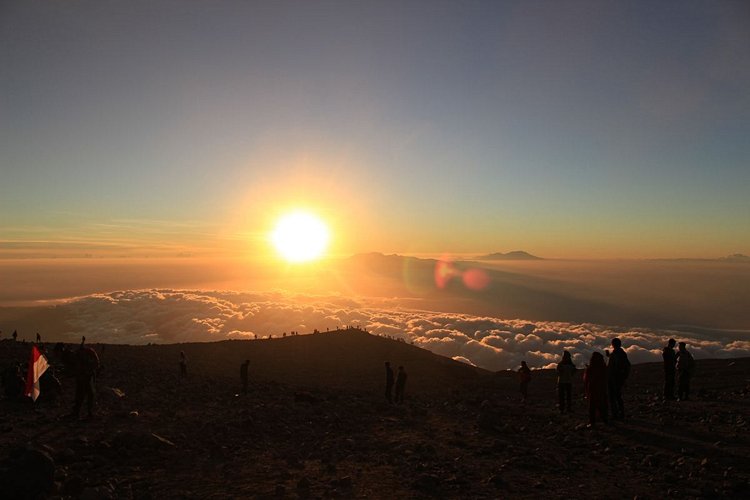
(514, 255)
(737, 257)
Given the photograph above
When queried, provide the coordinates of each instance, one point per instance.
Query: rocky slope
(315, 425)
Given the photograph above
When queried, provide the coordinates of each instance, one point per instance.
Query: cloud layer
(166, 316)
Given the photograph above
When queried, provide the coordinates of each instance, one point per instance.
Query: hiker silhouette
(388, 382)
(670, 359)
(86, 365)
(565, 372)
(618, 370)
(685, 368)
(524, 377)
(595, 387)
(183, 364)
(400, 385)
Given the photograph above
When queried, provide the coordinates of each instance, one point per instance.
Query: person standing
(243, 375)
(87, 363)
(595, 387)
(685, 368)
(618, 370)
(668, 355)
(388, 382)
(565, 371)
(400, 384)
(183, 365)
(524, 377)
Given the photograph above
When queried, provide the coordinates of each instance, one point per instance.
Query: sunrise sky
(566, 129)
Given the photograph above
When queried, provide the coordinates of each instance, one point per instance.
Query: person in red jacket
(595, 387)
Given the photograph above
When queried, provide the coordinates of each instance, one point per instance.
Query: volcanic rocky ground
(315, 424)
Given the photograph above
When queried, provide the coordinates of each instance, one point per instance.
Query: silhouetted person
(524, 377)
(388, 382)
(38, 338)
(400, 384)
(243, 374)
(595, 387)
(183, 364)
(87, 363)
(685, 369)
(618, 370)
(668, 355)
(565, 371)
(15, 335)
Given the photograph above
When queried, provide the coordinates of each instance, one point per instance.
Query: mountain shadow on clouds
(506, 294)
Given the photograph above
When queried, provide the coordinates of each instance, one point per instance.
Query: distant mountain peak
(737, 257)
(514, 255)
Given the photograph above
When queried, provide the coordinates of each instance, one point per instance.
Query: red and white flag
(37, 366)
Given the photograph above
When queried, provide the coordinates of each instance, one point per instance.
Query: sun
(300, 237)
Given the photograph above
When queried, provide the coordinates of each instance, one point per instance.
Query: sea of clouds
(169, 316)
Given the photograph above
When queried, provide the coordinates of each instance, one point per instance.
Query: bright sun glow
(300, 237)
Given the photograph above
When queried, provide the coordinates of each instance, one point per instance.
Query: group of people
(82, 364)
(400, 383)
(603, 381)
(679, 366)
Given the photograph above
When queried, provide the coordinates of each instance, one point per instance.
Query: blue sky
(568, 129)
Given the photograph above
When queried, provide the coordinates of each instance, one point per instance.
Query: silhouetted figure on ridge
(243, 375)
(15, 335)
(524, 377)
(685, 369)
(38, 338)
(670, 359)
(388, 382)
(565, 372)
(400, 385)
(618, 370)
(595, 387)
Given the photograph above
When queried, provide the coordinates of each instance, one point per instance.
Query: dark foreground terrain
(315, 425)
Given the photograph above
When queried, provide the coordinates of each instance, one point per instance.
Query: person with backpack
(618, 370)
(668, 355)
